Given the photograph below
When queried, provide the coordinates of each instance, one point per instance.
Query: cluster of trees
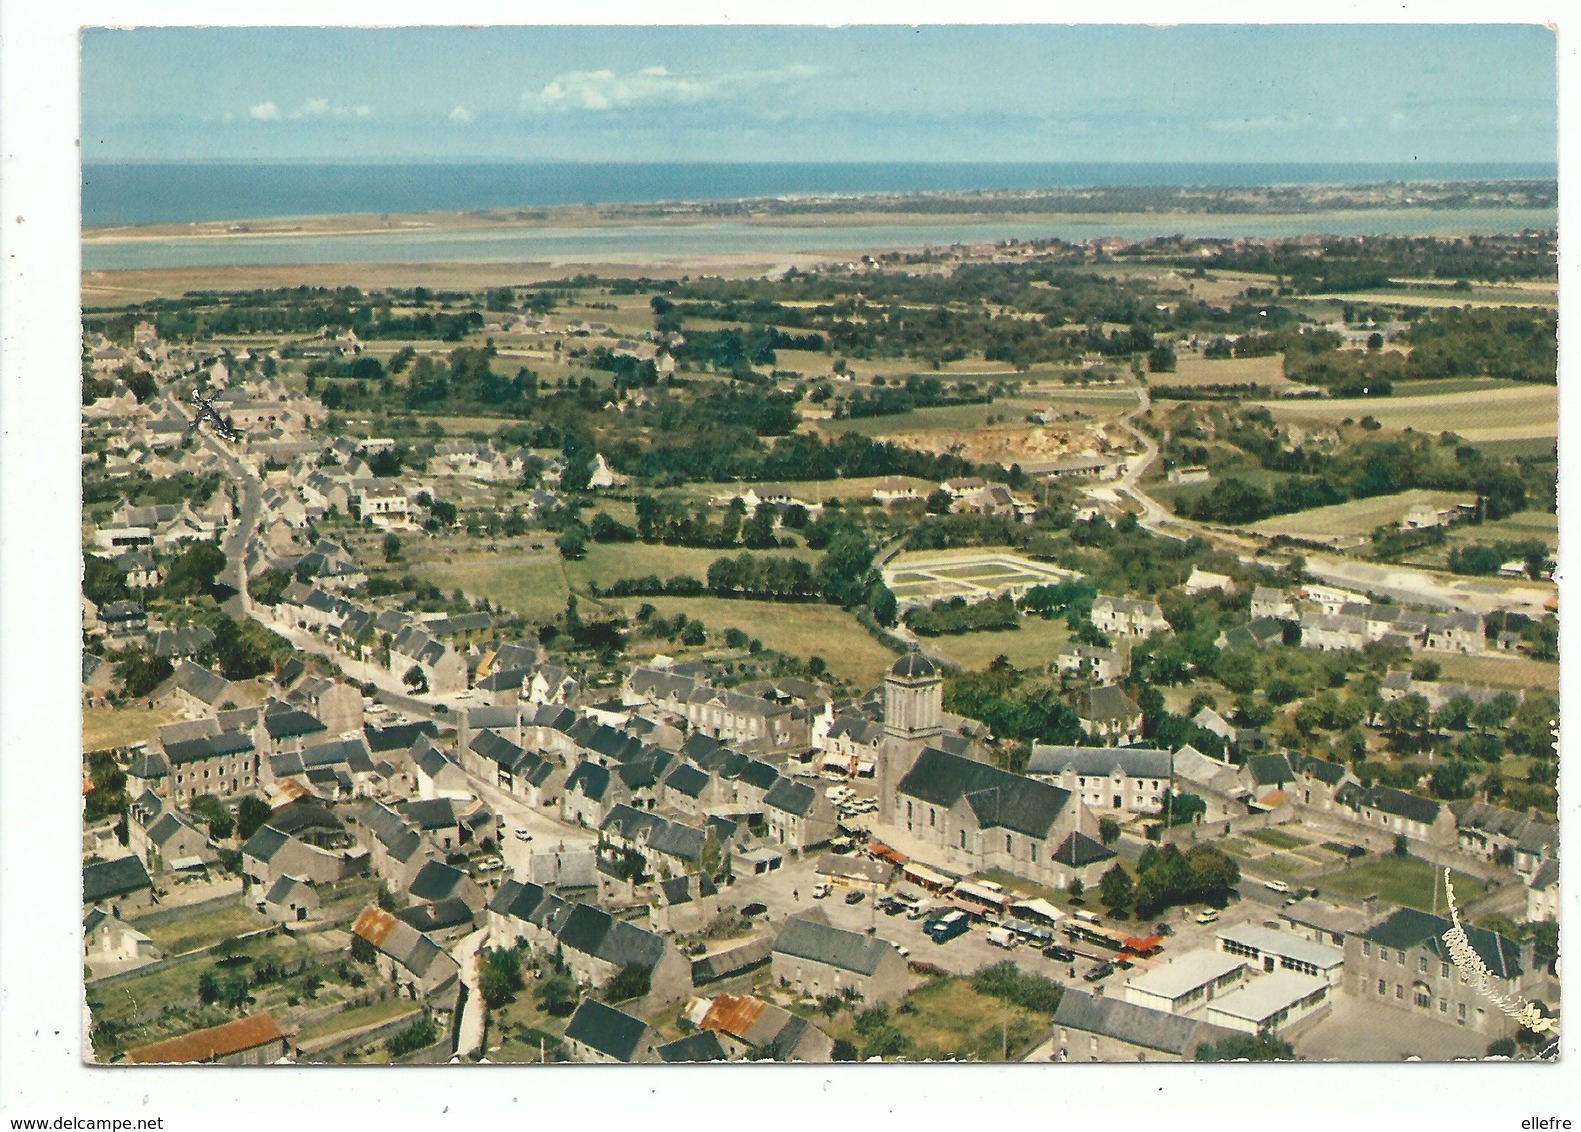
(1015, 708)
(768, 577)
(956, 616)
(889, 400)
(1482, 558)
(1166, 877)
(1372, 262)
(669, 520)
(140, 489)
(1358, 470)
(1486, 342)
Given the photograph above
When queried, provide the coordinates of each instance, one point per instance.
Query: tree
(392, 547)
(1108, 830)
(558, 995)
(251, 814)
(501, 976)
(631, 981)
(415, 680)
(1161, 359)
(1245, 1047)
(1075, 888)
(363, 951)
(1117, 890)
(572, 543)
(1402, 847)
(212, 810)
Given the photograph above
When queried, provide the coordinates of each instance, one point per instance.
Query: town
(1053, 652)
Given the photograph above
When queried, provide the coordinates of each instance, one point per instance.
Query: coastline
(607, 217)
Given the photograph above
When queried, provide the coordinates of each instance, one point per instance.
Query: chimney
(1369, 908)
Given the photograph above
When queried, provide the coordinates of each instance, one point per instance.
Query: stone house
(818, 959)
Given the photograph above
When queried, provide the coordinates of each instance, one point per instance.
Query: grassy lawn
(1518, 527)
(1033, 645)
(516, 1029)
(1278, 838)
(104, 727)
(802, 631)
(357, 1017)
(531, 584)
(942, 417)
(1501, 671)
(1406, 881)
(954, 1021)
(203, 929)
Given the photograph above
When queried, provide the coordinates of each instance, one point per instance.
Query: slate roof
(701, 1046)
(400, 841)
(1108, 704)
(590, 780)
(808, 937)
(516, 899)
(399, 737)
(1329, 773)
(687, 780)
(430, 813)
(210, 747)
(284, 888)
(593, 931)
(1135, 1025)
(107, 880)
(1408, 928)
(1529, 834)
(441, 914)
(495, 747)
(1391, 801)
(1547, 875)
(1134, 762)
(791, 796)
(914, 666)
(1078, 849)
(1270, 770)
(611, 1032)
(436, 881)
(737, 960)
(186, 641)
(265, 843)
(291, 724)
(1000, 799)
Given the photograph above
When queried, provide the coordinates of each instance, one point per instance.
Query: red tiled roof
(209, 1045)
(734, 1014)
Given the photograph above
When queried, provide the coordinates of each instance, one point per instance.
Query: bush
(1007, 982)
(419, 1035)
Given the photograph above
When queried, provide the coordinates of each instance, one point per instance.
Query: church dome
(914, 666)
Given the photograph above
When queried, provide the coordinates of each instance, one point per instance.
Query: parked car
(755, 909)
(1207, 916)
(1003, 937)
(905, 952)
(1101, 971)
(854, 896)
(1161, 928)
(1276, 886)
(822, 889)
(1059, 954)
(490, 864)
(523, 835)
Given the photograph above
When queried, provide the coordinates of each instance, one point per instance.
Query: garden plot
(920, 578)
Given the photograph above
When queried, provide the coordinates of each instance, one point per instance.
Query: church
(973, 816)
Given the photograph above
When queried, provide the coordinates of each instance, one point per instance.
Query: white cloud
(264, 111)
(314, 108)
(604, 90)
(363, 111)
(229, 117)
(461, 115)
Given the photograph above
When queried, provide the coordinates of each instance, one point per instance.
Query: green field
(813, 629)
(1356, 519)
(1520, 412)
(1486, 295)
(1519, 527)
(204, 929)
(1032, 646)
(607, 562)
(1277, 838)
(1406, 881)
(1500, 671)
(531, 584)
(942, 418)
(1192, 370)
(104, 727)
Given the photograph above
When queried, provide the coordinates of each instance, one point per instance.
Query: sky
(778, 93)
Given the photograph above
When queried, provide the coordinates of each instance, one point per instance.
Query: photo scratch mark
(1473, 970)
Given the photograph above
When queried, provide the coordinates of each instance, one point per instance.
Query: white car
(490, 865)
(1276, 886)
(523, 835)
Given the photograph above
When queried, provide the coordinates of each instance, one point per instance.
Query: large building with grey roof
(1090, 1027)
(976, 817)
(1131, 780)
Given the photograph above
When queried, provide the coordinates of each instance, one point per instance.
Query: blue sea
(164, 194)
(115, 195)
